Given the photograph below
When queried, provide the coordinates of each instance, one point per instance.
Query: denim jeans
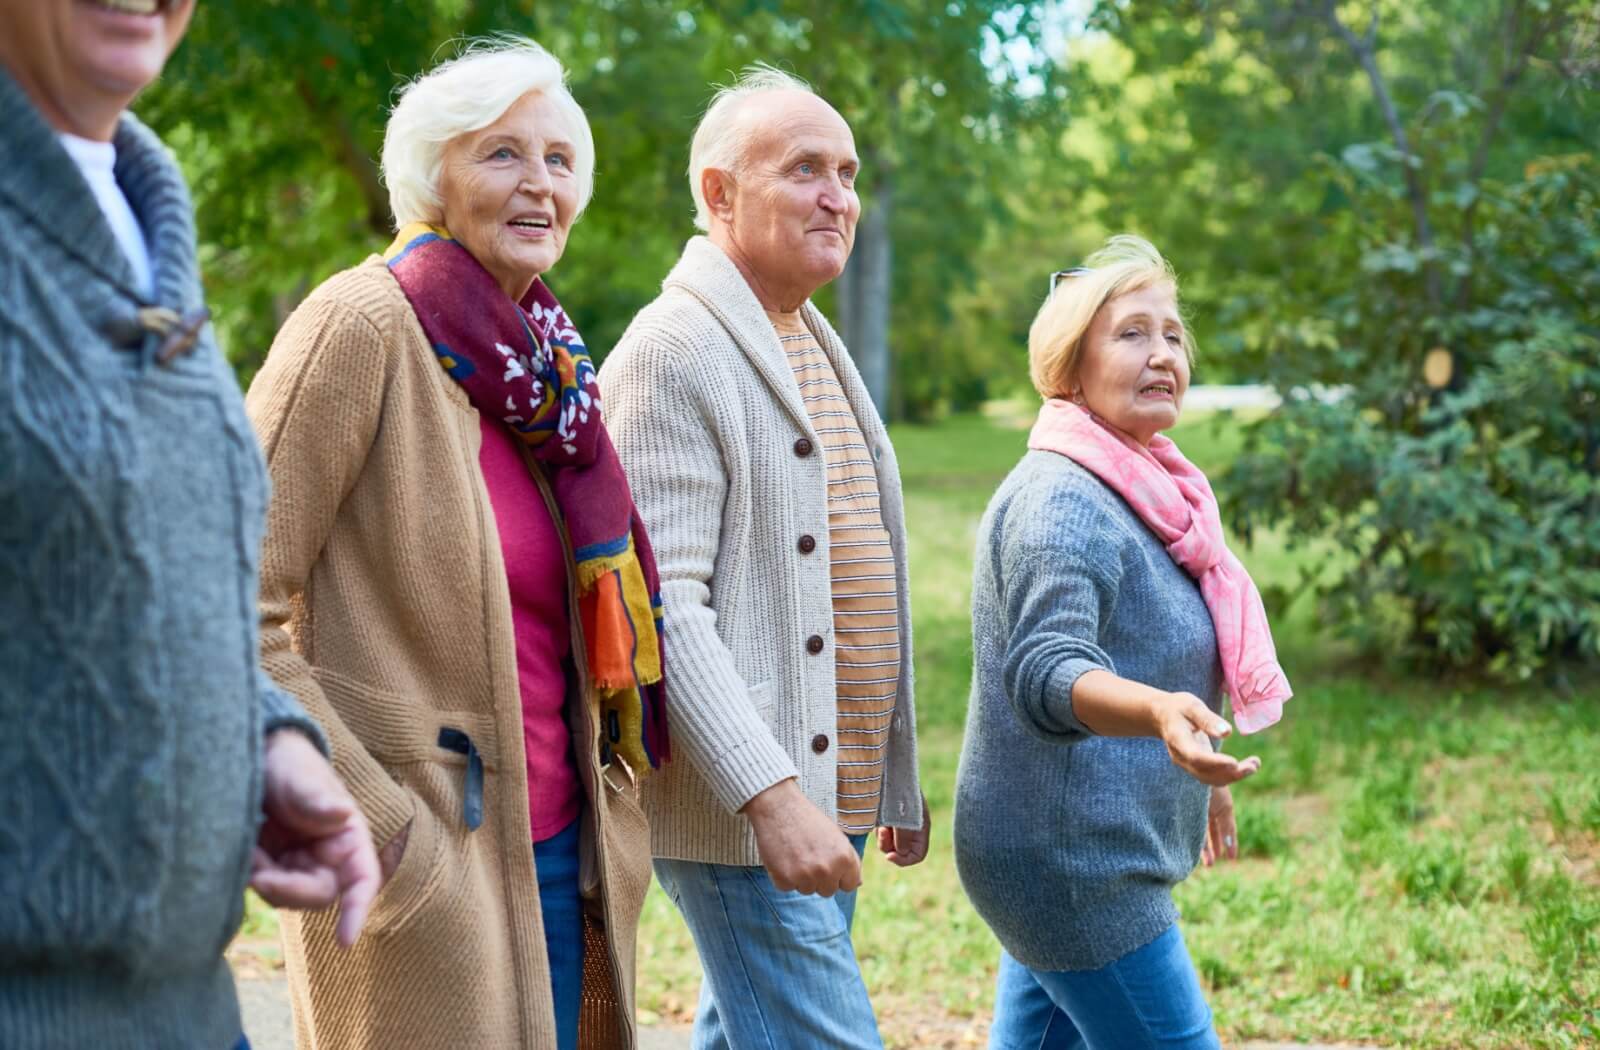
(1150, 999)
(556, 860)
(780, 968)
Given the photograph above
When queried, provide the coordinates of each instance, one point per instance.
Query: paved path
(265, 1001)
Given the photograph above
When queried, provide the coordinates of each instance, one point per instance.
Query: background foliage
(1350, 191)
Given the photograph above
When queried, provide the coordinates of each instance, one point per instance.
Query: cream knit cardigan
(707, 417)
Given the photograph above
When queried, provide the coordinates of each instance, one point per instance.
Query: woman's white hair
(721, 138)
(469, 92)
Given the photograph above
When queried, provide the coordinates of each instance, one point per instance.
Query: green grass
(1421, 863)
(1421, 859)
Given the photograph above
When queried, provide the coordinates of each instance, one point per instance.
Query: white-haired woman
(1108, 616)
(456, 584)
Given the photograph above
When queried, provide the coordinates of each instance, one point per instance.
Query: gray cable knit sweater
(132, 707)
(1068, 843)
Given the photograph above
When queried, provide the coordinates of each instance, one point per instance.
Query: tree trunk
(864, 290)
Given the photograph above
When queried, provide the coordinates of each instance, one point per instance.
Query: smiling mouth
(1157, 390)
(529, 224)
(134, 7)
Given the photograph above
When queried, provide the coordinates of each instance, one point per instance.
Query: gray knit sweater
(1068, 843)
(132, 708)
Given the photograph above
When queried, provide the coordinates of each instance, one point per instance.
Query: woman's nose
(536, 178)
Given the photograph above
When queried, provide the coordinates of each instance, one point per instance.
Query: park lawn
(1422, 860)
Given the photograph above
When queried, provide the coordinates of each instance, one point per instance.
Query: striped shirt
(866, 622)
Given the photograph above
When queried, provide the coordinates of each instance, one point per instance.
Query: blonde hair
(1123, 264)
(469, 92)
(721, 139)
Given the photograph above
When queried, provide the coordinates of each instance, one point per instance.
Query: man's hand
(1222, 834)
(314, 848)
(1186, 725)
(904, 848)
(801, 847)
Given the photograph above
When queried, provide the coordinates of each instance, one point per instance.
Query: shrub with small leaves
(1461, 461)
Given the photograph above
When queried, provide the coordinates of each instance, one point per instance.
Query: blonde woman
(1108, 617)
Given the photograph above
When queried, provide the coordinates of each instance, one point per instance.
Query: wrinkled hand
(314, 848)
(1187, 725)
(801, 847)
(1222, 834)
(904, 847)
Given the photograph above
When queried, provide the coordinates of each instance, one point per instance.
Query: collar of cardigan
(705, 272)
(45, 187)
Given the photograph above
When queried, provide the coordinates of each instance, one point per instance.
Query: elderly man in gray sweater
(773, 499)
(148, 766)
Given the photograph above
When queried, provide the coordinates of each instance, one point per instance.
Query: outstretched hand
(314, 848)
(1187, 726)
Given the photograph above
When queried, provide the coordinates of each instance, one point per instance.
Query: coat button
(802, 447)
(814, 644)
(808, 544)
(819, 743)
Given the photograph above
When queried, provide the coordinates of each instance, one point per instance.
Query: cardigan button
(814, 644)
(802, 447)
(819, 743)
(807, 544)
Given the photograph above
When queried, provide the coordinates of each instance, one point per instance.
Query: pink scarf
(1173, 498)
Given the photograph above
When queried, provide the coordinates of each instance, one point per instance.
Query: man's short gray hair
(720, 140)
(469, 92)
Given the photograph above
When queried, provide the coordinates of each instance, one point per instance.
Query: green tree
(1416, 230)
(277, 111)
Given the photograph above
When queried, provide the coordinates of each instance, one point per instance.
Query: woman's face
(510, 192)
(1134, 370)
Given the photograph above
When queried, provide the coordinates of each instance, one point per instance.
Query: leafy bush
(1472, 503)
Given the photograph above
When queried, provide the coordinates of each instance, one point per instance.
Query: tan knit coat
(385, 609)
(728, 473)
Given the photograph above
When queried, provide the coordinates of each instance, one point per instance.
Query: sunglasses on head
(1061, 275)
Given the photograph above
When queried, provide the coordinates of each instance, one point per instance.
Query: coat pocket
(416, 878)
(441, 760)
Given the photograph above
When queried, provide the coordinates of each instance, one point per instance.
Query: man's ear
(718, 189)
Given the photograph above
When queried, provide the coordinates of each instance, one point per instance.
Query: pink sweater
(536, 570)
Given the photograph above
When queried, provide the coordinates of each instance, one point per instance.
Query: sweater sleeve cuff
(747, 769)
(1058, 697)
(279, 710)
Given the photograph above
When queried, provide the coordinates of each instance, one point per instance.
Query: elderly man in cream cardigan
(771, 492)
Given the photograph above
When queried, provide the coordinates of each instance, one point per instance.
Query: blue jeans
(1150, 999)
(780, 968)
(556, 860)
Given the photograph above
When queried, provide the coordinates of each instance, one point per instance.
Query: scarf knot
(1174, 499)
